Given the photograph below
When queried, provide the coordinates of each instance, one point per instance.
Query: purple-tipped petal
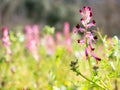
(77, 26)
(96, 57)
(84, 7)
(83, 21)
(80, 11)
(81, 41)
(90, 25)
(89, 8)
(82, 29)
(90, 14)
(93, 22)
(95, 37)
(91, 46)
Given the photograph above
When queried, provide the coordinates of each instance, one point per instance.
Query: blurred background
(56, 12)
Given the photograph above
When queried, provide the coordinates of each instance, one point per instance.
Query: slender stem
(90, 66)
(90, 80)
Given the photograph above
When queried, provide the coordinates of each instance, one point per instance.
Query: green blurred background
(56, 12)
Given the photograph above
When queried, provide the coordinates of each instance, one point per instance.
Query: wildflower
(58, 38)
(66, 30)
(68, 40)
(86, 15)
(49, 44)
(5, 40)
(31, 40)
(88, 38)
(36, 34)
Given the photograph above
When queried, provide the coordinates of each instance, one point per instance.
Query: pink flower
(81, 41)
(36, 34)
(91, 46)
(31, 35)
(86, 15)
(58, 38)
(88, 38)
(95, 56)
(68, 40)
(66, 30)
(49, 44)
(5, 40)
(80, 28)
(91, 24)
(28, 35)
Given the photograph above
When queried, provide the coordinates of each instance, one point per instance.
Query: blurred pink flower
(66, 30)
(36, 34)
(68, 40)
(5, 40)
(28, 35)
(59, 38)
(31, 42)
(49, 44)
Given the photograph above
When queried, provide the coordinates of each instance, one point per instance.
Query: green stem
(90, 80)
(90, 66)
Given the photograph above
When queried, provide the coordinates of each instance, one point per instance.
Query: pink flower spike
(5, 31)
(28, 29)
(36, 34)
(96, 57)
(5, 40)
(66, 29)
(58, 38)
(35, 29)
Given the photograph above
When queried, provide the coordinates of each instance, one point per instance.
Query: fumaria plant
(99, 78)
